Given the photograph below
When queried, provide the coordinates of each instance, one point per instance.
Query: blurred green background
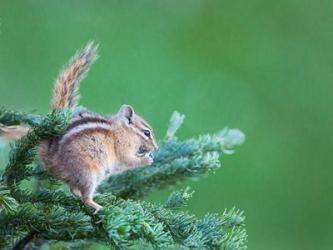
(262, 66)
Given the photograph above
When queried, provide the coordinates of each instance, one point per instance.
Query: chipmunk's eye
(146, 132)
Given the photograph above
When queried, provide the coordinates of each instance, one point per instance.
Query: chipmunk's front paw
(148, 160)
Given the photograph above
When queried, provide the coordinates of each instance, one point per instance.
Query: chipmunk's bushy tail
(65, 94)
(65, 89)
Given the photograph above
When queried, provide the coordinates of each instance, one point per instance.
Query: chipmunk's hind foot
(93, 204)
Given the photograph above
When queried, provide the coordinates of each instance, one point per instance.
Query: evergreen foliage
(49, 216)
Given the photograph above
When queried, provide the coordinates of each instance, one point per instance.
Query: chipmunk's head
(136, 138)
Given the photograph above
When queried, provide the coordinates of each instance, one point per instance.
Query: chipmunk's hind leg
(84, 166)
(87, 195)
(88, 200)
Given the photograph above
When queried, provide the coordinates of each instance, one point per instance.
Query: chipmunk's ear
(127, 112)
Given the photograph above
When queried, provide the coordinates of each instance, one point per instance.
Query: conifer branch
(11, 117)
(23, 153)
(53, 216)
(175, 161)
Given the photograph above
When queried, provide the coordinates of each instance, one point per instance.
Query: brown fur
(66, 87)
(85, 158)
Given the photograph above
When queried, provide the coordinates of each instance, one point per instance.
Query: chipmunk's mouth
(144, 152)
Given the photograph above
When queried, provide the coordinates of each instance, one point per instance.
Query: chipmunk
(92, 146)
